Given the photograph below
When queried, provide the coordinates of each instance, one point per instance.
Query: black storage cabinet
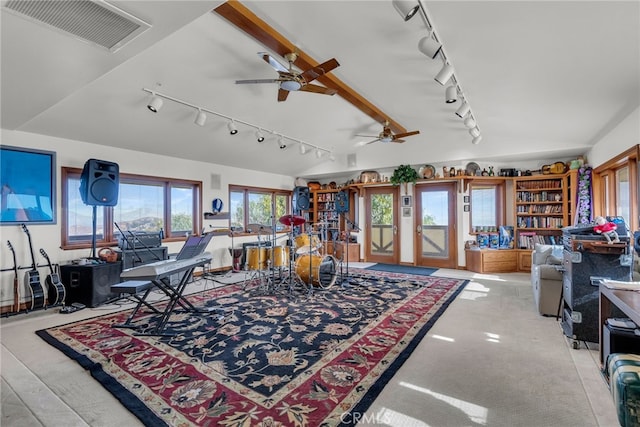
(90, 284)
(580, 287)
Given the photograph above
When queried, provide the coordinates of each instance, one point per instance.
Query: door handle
(419, 229)
(395, 230)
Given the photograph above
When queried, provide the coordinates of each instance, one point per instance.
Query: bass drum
(320, 271)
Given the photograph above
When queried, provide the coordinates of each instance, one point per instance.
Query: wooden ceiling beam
(248, 22)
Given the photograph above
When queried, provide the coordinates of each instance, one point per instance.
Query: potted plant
(404, 174)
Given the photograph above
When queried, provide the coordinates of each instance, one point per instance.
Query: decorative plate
(428, 172)
(472, 168)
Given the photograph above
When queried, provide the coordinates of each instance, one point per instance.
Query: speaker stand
(94, 230)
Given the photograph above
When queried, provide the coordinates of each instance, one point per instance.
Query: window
(146, 204)
(616, 186)
(250, 205)
(487, 206)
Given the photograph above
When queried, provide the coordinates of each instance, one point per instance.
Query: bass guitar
(16, 281)
(33, 278)
(56, 290)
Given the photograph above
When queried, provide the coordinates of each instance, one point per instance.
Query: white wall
(624, 136)
(75, 153)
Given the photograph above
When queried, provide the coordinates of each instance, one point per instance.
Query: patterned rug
(407, 269)
(277, 360)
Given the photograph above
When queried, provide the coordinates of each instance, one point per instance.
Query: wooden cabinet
(491, 260)
(353, 253)
(544, 204)
(524, 259)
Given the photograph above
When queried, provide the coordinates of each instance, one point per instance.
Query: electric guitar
(33, 278)
(56, 290)
(16, 282)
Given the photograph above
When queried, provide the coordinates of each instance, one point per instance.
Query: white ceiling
(545, 80)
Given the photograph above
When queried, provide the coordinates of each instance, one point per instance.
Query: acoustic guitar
(32, 277)
(556, 168)
(56, 290)
(16, 281)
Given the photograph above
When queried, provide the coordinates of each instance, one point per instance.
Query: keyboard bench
(135, 289)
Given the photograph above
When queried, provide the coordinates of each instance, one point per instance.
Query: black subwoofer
(99, 183)
(90, 284)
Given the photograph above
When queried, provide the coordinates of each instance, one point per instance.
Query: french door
(381, 213)
(435, 225)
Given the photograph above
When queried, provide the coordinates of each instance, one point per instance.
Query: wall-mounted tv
(28, 181)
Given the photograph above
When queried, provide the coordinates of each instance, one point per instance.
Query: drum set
(299, 263)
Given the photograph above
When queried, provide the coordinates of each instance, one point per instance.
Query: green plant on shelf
(404, 174)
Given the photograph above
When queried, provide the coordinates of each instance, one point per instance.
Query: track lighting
(155, 103)
(232, 127)
(451, 95)
(474, 132)
(469, 121)
(429, 46)
(406, 9)
(463, 110)
(476, 140)
(201, 118)
(156, 100)
(444, 74)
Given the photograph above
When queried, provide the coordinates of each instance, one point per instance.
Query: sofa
(546, 278)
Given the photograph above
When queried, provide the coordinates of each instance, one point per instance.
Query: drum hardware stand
(355, 227)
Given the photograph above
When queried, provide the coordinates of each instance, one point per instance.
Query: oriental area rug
(271, 359)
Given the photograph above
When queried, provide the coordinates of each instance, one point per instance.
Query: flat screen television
(28, 181)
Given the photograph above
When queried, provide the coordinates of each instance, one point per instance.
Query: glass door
(435, 225)
(381, 213)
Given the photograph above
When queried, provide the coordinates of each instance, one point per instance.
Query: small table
(626, 301)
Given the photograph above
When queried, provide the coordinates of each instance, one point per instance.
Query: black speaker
(342, 202)
(99, 183)
(301, 198)
(636, 241)
(90, 284)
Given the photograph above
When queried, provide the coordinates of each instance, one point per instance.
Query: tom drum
(279, 256)
(306, 243)
(318, 270)
(257, 257)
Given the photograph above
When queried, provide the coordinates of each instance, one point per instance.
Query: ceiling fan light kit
(406, 9)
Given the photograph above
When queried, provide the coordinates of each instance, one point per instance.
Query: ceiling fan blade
(402, 135)
(366, 136)
(371, 142)
(398, 140)
(242, 82)
(282, 95)
(321, 69)
(272, 61)
(318, 89)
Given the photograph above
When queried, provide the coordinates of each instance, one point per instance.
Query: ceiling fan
(291, 80)
(388, 136)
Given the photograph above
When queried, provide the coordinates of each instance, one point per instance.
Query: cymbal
(259, 229)
(291, 220)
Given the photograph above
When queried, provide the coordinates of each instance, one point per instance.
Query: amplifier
(139, 240)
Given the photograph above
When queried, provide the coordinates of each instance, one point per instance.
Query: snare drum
(321, 270)
(305, 243)
(279, 256)
(257, 257)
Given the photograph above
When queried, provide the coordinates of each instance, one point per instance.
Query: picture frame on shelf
(406, 212)
(406, 201)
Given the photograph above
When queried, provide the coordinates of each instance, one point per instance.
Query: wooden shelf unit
(491, 260)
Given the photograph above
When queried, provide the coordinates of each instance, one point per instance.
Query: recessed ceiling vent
(94, 21)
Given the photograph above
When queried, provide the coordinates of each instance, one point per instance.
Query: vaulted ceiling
(545, 80)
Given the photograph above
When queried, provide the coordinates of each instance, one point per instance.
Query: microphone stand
(130, 245)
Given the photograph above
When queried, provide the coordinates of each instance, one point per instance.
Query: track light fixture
(444, 74)
(474, 132)
(451, 94)
(201, 118)
(429, 46)
(463, 110)
(406, 9)
(476, 140)
(303, 149)
(156, 101)
(232, 127)
(469, 121)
